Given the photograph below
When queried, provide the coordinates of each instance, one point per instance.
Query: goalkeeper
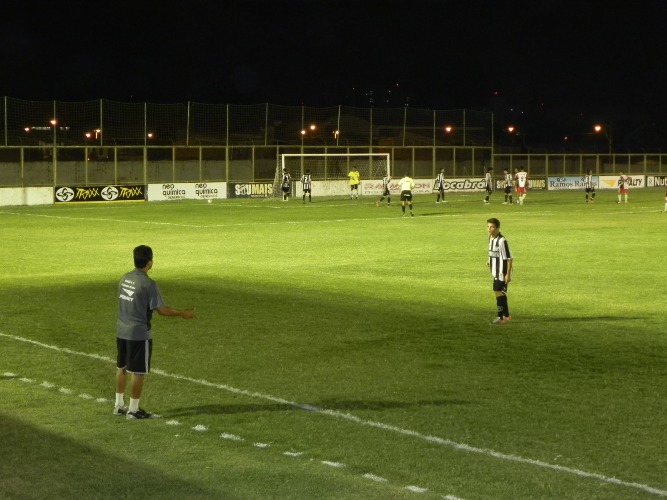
(354, 176)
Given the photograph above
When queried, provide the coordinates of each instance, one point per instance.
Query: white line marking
(172, 422)
(337, 465)
(231, 437)
(200, 428)
(375, 478)
(416, 489)
(347, 416)
(261, 445)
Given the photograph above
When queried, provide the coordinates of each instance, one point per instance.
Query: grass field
(340, 351)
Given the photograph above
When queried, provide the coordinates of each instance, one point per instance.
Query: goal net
(332, 166)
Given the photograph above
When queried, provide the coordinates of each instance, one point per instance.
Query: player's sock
(134, 405)
(503, 303)
(403, 208)
(388, 200)
(120, 400)
(499, 306)
(511, 200)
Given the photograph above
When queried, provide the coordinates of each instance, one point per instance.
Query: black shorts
(508, 189)
(440, 189)
(499, 286)
(285, 189)
(307, 190)
(489, 190)
(354, 187)
(590, 190)
(388, 193)
(134, 356)
(406, 195)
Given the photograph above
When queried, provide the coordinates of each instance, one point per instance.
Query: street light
(607, 133)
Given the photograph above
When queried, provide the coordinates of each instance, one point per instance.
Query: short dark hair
(143, 254)
(494, 221)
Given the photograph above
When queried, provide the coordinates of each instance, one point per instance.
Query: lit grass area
(340, 350)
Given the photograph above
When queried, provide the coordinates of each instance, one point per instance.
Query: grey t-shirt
(138, 297)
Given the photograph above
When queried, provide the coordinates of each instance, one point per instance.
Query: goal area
(332, 166)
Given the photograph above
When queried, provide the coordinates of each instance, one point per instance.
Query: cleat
(497, 321)
(403, 215)
(140, 415)
(411, 214)
(504, 203)
(119, 411)
(507, 318)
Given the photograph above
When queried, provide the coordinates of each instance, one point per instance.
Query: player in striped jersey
(500, 264)
(306, 185)
(439, 186)
(286, 184)
(385, 191)
(488, 184)
(589, 186)
(507, 184)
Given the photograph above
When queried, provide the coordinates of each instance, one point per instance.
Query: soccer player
(623, 186)
(354, 177)
(138, 297)
(286, 184)
(521, 179)
(500, 264)
(507, 183)
(439, 186)
(488, 184)
(665, 196)
(407, 185)
(589, 186)
(306, 185)
(385, 191)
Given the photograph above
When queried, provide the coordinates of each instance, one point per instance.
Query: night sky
(557, 61)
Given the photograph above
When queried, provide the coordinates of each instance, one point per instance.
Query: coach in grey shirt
(138, 297)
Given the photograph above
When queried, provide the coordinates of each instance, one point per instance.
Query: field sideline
(341, 350)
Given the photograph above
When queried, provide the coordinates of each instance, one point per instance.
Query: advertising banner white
(187, 191)
(612, 181)
(569, 183)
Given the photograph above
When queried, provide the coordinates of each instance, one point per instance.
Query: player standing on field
(286, 184)
(306, 185)
(500, 264)
(385, 191)
(589, 186)
(488, 187)
(138, 297)
(623, 186)
(507, 183)
(521, 179)
(439, 186)
(354, 176)
(407, 185)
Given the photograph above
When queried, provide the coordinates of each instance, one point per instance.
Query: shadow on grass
(40, 464)
(579, 319)
(216, 409)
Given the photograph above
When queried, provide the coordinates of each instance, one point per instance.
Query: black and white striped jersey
(588, 181)
(440, 181)
(499, 255)
(305, 181)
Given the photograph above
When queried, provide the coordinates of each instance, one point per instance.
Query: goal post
(332, 166)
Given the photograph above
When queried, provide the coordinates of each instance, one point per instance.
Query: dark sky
(596, 57)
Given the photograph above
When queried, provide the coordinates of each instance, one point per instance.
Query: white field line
(352, 418)
(208, 226)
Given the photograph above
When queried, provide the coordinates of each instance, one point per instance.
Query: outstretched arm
(170, 311)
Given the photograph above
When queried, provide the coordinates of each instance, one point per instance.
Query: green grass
(339, 333)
